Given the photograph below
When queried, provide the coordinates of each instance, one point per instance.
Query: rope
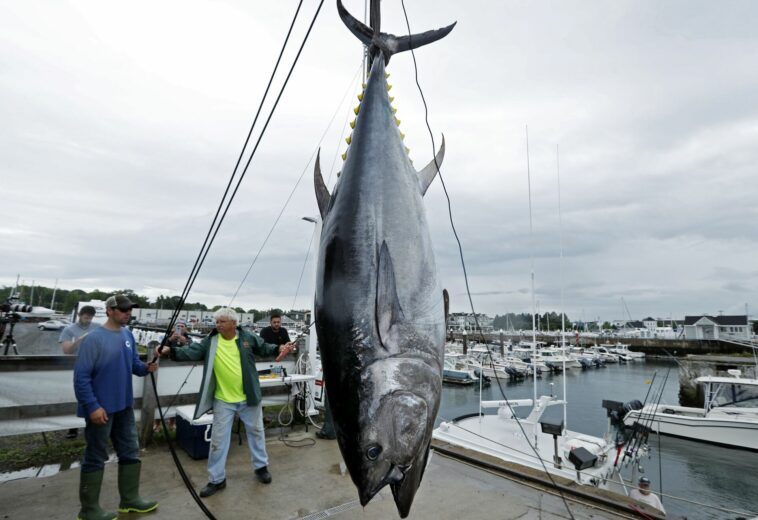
(460, 250)
(210, 239)
(292, 192)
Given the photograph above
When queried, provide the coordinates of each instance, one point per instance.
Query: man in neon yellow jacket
(230, 385)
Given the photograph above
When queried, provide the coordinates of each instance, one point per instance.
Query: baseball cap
(644, 480)
(181, 322)
(89, 310)
(121, 302)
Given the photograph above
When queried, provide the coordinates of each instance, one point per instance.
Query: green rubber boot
(128, 488)
(89, 496)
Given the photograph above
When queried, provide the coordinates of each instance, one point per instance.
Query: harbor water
(700, 474)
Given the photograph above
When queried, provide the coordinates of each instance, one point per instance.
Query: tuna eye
(373, 452)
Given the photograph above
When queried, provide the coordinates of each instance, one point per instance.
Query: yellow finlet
(363, 85)
(389, 87)
(397, 121)
(402, 135)
(352, 123)
(357, 109)
(394, 110)
(386, 75)
(407, 150)
(360, 96)
(392, 99)
(349, 139)
(344, 156)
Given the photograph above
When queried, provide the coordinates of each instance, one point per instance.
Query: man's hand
(284, 350)
(99, 417)
(161, 351)
(152, 367)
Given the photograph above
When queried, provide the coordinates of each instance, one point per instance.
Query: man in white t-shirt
(644, 495)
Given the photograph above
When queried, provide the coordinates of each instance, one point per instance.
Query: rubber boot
(89, 496)
(128, 488)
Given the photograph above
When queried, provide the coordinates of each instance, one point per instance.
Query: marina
(697, 479)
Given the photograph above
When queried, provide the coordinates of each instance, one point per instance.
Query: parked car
(52, 325)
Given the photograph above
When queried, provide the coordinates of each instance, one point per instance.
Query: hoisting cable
(292, 192)
(206, 245)
(350, 86)
(209, 241)
(463, 262)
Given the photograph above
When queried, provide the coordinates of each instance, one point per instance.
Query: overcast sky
(122, 122)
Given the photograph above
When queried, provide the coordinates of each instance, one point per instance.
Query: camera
(15, 307)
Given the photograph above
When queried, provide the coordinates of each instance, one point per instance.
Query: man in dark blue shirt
(103, 385)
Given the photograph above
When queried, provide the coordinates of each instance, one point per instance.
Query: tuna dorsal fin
(389, 44)
(426, 176)
(388, 311)
(322, 194)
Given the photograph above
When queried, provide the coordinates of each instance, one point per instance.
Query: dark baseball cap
(644, 480)
(120, 302)
(89, 310)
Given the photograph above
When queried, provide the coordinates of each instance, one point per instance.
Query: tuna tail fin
(426, 176)
(389, 44)
(322, 193)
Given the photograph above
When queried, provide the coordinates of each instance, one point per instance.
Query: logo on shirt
(128, 344)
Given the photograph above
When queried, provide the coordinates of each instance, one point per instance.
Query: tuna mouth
(394, 476)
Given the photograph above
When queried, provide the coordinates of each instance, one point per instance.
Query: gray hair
(226, 312)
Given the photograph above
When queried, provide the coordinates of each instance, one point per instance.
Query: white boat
(554, 357)
(604, 354)
(456, 370)
(729, 416)
(523, 442)
(623, 349)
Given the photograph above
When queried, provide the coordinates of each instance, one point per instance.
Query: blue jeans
(122, 431)
(223, 417)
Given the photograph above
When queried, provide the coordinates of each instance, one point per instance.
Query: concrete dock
(307, 484)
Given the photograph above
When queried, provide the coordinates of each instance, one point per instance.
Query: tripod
(9, 341)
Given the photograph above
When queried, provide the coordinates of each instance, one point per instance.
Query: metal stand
(9, 341)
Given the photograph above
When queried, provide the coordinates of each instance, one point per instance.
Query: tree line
(65, 300)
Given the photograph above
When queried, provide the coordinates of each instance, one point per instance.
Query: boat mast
(750, 341)
(531, 254)
(563, 313)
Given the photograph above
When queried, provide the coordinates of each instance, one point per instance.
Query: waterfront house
(716, 327)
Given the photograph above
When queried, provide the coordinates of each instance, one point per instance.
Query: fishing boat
(623, 349)
(729, 416)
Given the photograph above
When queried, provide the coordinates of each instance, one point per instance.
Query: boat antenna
(750, 341)
(563, 311)
(531, 258)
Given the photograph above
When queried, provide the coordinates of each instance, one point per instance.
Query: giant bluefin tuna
(380, 312)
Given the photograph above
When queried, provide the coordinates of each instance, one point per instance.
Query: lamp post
(311, 344)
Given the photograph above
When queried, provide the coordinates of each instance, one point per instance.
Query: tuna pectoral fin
(426, 176)
(388, 311)
(404, 491)
(322, 194)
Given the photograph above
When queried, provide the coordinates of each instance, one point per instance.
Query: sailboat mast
(563, 313)
(531, 254)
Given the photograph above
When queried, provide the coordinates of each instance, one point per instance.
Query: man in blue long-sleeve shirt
(103, 385)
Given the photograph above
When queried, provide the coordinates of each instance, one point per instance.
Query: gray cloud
(119, 137)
